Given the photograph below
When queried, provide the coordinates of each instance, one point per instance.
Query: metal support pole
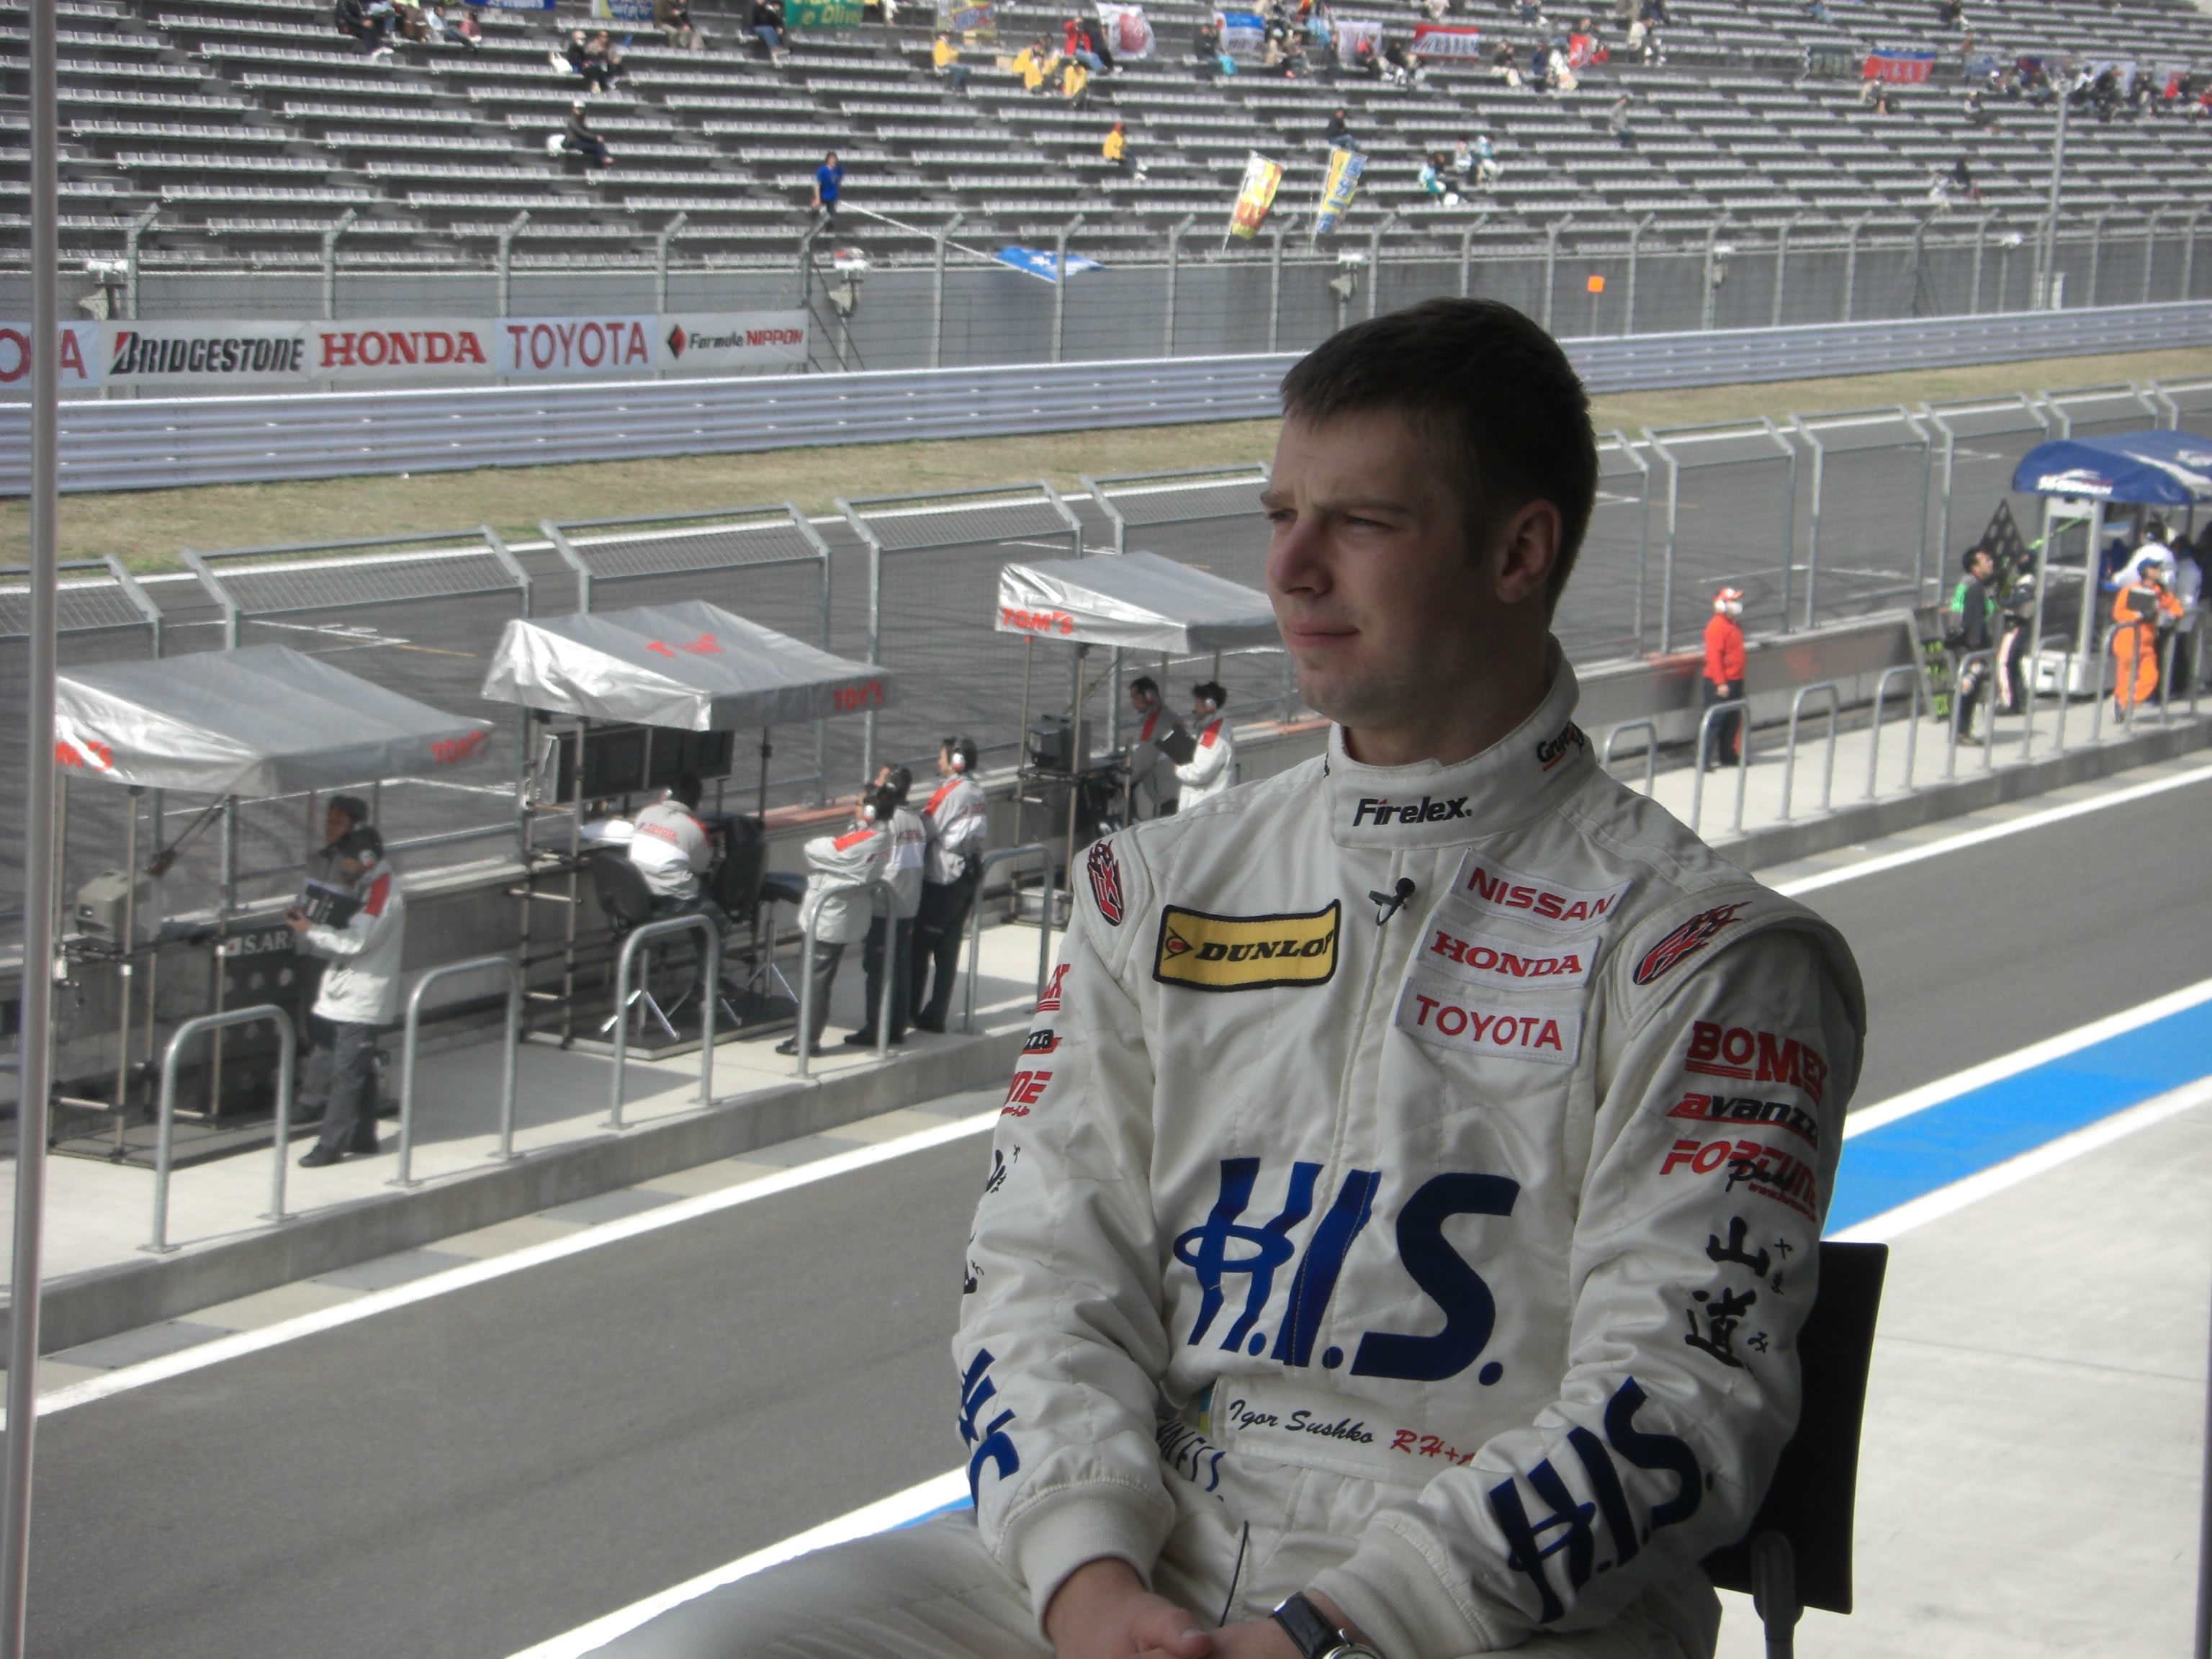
(2189, 257)
(1711, 287)
(1789, 754)
(287, 1052)
(506, 235)
(330, 261)
(938, 239)
(1174, 259)
(1635, 248)
(1551, 264)
(2150, 251)
(1060, 284)
(1915, 678)
(1981, 241)
(669, 233)
(412, 1039)
(2086, 636)
(1782, 266)
(33, 1069)
(650, 931)
(1466, 253)
(2096, 252)
(138, 228)
(1373, 278)
(1851, 260)
(1742, 759)
(1919, 263)
(1275, 285)
(1000, 855)
(2047, 245)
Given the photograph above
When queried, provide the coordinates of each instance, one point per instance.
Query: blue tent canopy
(2159, 469)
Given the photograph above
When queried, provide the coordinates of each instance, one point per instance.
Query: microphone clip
(1388, 904)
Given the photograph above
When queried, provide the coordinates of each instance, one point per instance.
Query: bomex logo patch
(1246, 953)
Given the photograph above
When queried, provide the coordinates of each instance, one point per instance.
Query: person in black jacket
(1968, 629)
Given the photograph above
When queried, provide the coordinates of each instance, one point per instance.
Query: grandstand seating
(252, 123)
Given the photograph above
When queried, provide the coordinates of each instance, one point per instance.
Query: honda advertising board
(80, 357)
(402, 349)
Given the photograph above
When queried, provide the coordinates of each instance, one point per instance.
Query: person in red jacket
(1724, 673)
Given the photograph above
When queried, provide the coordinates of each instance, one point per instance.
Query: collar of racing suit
(1518, 778)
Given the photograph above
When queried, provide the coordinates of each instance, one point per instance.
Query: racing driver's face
(1420, 647)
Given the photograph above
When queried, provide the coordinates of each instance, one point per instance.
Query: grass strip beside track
(146, 528)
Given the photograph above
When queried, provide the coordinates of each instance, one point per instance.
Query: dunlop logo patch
(1245, 953)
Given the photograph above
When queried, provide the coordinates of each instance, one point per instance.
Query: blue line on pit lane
(1984, 1127)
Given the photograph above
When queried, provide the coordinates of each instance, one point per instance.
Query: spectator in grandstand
(1962, 180)
(579, 138)
(903, 870)
(765, 19)
(2104, 93)
(360, 992)
(829, 184)
(1337, 131)
(1950, 14)
(1616, 122)
(1504, 66)
(673, 19)
(1031, 64)
(1487, 168)
(957, 822)
(1116, 150)
(1073, 45)
(603, 64)
(838, 905)
(467, 30)
(946, 57)
(1968, 630)
(1211, 767)
(1400, 67)
(1206, 49)
(1724, 678)
(1434, 180)
(1978, 115)
(1074, 84)
(1092, 37)
(352, 18)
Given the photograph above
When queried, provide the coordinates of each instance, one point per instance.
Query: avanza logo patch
(1246, 953)
(1505, 962)
(1749, 1109)
(1753, 1056)
(1545, 905)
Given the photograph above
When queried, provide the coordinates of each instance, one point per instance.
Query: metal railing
(1650, 730)
(1048, 901)
(804, 1040)
(1742, 708)
(709, 997)
(1916, 678)
(1790, 754)
(412, 1040)
(288, 1044)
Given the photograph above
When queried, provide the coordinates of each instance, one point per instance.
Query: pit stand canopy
(258, 721)
(2152, 469)
(1136, 601)
(692, 667)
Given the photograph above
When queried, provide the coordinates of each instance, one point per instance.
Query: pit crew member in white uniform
(958, 820)
(670, 849)
(1212, 768)
(838, 905)
(1399, 1226)
(909, 846)
(1153, 786)
(359, 993)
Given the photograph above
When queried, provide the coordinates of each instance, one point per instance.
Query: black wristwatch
(1313, 1636)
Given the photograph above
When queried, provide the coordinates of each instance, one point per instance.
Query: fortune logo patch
(1245, 953)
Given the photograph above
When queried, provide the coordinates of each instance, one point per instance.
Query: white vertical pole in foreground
(38, 851)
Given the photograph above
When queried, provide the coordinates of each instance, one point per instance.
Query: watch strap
(1312, 1634)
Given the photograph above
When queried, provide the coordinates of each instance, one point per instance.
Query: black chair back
(624, 898)
(1813, 1493)
(737, 882)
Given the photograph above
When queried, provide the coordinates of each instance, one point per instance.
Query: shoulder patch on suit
(379, 891)
(1246, 953)
(1692, 937)
(1105, 871)
(851, 838)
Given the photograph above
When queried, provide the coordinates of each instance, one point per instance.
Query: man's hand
(1263, 1638)
(1103, 1611)
(296, 920)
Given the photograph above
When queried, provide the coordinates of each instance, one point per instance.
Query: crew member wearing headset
(2142, 611)
(1212, 765)
(670, 848)
(1724, 673)
(909, 845)
(360, 992)
(837, 908)
(1152, 785)
(957, 822)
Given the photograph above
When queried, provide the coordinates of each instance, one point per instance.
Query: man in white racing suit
(956, 819)
(839, 905)
(1153, 786)
(670, 848)
(902, 868)
(1212, 768)
(360, 993)
(1409, 1196)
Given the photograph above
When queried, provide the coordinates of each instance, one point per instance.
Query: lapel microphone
(1388, 904)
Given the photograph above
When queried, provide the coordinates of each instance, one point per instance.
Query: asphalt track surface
(473, 1473)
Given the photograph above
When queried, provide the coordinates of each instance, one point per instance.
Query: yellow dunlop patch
(1245, 953)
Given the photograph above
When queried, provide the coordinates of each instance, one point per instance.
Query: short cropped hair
(1492, 394)
(1146, 683)
(688, 788)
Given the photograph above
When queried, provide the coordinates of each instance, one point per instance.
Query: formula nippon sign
(567, 347)
(716, 342)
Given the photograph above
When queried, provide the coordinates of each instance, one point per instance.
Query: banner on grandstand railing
(1447, 40)
(632, 12)
(1350, 33)
(80, 357)
(1902, 64)
(1345, 167)
(1040, 262)
(969, 17)
(212, 354)
(1242, 33)
(713, 341)
(1128, 31)
(1833, 59)
(822, 14)
(1255, 196)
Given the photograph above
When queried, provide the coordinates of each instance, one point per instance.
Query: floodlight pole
(1635, 248)
(33, 1045)
(2047, 265)
(1174, 259)
(1981, 241)
(1375, 264)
